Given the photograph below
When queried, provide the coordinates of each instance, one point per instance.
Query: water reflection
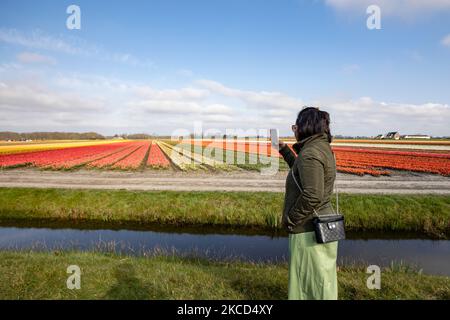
(433, 256)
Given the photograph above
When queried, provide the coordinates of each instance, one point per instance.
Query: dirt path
(405, 183)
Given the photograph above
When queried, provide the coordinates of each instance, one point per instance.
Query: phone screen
(274, 138)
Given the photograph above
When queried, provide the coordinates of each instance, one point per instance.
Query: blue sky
(161, 66)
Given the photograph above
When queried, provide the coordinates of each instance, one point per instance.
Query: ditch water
(432, 256)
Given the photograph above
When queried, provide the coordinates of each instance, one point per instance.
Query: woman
(312, 266)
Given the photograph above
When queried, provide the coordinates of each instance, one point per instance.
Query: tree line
(16, 136)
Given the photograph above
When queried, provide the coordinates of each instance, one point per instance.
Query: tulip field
(117, 155)
(192, 155)
(358, 161)
(376, 162)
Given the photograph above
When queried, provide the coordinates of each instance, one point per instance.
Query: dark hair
(311, 121)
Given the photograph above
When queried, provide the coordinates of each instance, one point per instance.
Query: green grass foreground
(425, 214)
(31, 275)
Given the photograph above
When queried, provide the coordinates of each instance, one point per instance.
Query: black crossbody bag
(328, 228)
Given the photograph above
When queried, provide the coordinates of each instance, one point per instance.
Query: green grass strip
(32, 275)
(426, 214)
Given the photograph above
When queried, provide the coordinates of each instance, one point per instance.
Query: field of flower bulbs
(356, 160)
(169, 155)
(375, 162)
(127, 155)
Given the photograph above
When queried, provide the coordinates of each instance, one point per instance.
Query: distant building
(416, 136)
(392, 135)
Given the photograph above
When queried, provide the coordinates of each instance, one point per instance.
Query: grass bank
(424, 214)
(31, 275)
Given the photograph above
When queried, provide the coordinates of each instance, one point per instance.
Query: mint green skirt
(312, 268)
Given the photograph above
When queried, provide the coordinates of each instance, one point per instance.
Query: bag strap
(301, 189)
(336, 191)
(295, 180)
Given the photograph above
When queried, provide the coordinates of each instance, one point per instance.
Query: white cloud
(280, 112)
(30, 98)
(180, 105)
(91, 82)
(30, 57)
(404, 8)
(446, 40)
(173, 102)
(217, 108)
(109, 105)
(262, 99)
(221, 119)
(366, 116)
(129, 59)
(165, 106)
(38, 39)
(170, 94)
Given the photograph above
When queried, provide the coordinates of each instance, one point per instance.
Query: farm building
(394, 135)
(416, 136)
(391, 135)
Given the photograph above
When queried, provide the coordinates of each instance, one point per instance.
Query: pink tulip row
(156, 157)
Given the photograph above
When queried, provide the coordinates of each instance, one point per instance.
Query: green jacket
(315, 170)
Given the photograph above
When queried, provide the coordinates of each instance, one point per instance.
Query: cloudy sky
(162, 66)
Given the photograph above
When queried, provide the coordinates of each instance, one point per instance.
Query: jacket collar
(302, 143)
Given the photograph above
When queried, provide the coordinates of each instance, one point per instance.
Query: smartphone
(274, 139)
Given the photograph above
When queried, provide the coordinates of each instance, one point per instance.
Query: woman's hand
(281, 144)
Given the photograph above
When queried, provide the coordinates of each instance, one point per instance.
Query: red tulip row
(83, 160)
(376, 160)
(113, 158)
(393, 152)
(362, 171)
(156, 157)
(134, 160)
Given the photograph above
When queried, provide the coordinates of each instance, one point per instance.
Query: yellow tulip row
(31, 147)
